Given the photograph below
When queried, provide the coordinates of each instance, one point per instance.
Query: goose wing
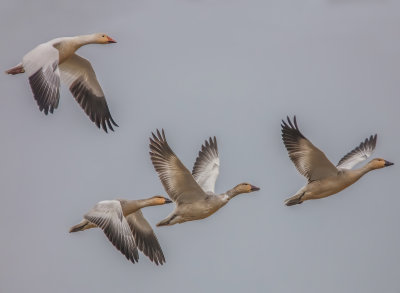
(175, 177)
(109, 217)
(78, 74)
(206, 168)
(359, 154)
(308, 159)
(145, 238)
(41, 65)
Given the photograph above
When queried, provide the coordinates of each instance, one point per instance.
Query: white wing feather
(206, 168)
(41, 65)
(109, 217)
(359, 154)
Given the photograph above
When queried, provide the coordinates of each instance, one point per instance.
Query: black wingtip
(162, 136)
(113, 122)
(295, 122)
(216, 144)
(158, 135)
(371, 140)
(289, 124)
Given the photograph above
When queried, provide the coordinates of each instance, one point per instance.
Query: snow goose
(324, 178)
(193, 193)
(56, 60)
(125, 226)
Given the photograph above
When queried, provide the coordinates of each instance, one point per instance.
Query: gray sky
(199, 68)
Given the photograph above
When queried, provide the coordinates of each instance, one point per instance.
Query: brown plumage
(324, 179)
(193, 195)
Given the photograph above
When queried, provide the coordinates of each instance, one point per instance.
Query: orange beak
(110, 40)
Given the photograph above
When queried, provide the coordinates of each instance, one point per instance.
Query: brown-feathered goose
(55, 61)
(324, 178)
(193, 194)
(125, 226)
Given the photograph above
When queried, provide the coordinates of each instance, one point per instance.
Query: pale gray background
(198, 68)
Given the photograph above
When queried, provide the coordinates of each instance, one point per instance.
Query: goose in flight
(125, 226)
(55, 61)
(324, 178)
(193, 193)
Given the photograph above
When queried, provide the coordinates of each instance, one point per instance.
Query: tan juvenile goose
(56, 60)
(124, 225)
(324, 178)
(193, 193)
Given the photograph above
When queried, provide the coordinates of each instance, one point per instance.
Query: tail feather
(79, 227)
(164, 222)
(16, 70)
(296, 199)
(168, 221)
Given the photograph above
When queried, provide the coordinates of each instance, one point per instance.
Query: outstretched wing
(41, 65)
(177, 180)
(359, 154)
(109, 217)
(145, 238)
(206, 168)
(308, 159)
(78, 74)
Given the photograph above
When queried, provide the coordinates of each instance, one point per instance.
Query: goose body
(195, 211)
(193, 193)
(324, 178)
(125, 226)
(55, 61)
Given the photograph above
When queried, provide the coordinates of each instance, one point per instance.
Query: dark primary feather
(175, 177)
(290, 131)
(308, 159)
(95, 107)
(291, 137)
(145, 238)
(161, 155)
(45, 86)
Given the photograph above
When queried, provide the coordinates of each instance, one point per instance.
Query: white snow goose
(56, 60)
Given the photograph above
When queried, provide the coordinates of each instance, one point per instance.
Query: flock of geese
(193, 193)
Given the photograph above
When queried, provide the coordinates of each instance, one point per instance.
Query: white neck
(80, 41)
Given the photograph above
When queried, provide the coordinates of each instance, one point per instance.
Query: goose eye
(103, 36)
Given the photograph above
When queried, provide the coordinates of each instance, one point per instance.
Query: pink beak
(110, 40)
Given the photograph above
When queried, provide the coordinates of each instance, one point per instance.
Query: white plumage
(55, 61)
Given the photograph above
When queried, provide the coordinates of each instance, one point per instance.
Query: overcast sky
(199, 68)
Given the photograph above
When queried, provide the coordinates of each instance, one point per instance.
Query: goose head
(245, 188)
(103, 39)
(379, 163)
(160, 200)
